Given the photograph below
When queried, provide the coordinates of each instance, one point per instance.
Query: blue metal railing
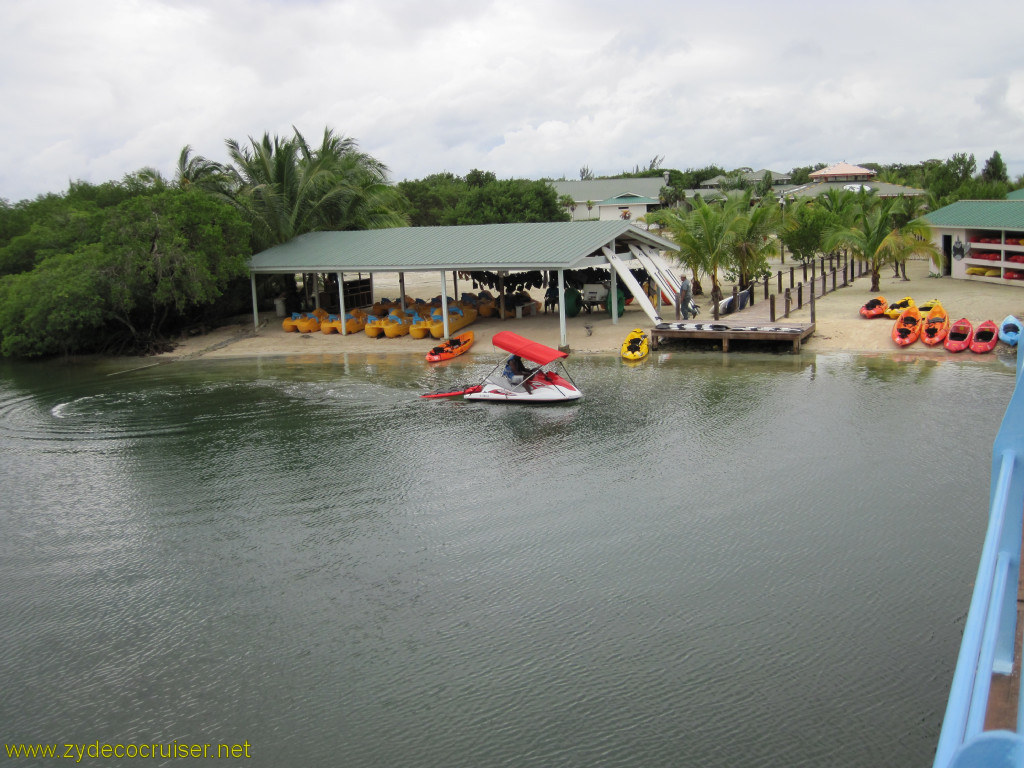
(987, 645)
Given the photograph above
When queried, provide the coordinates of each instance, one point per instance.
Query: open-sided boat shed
(551, 246)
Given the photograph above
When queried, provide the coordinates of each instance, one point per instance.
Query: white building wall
(614, 212)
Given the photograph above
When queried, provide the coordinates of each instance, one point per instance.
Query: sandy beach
(839, 327)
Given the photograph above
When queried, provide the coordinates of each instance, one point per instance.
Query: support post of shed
(564, 341)
(341, 301)
(255, 304)
(613, 294)
(444, 304)
(401, 289)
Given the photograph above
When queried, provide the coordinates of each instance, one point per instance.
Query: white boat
(549, 382)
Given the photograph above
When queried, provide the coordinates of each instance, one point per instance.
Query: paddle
(454, 392)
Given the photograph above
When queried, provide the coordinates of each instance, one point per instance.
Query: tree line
(943, 181)
(124, 266)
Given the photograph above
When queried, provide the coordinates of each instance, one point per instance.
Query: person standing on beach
(683, 302)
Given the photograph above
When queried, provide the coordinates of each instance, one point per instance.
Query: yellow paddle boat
(331, 325)
(459, 317)
(311, 322)
(355, 321)
(397, 324)
(374, 326)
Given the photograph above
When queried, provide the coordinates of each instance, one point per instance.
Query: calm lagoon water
(745, 560)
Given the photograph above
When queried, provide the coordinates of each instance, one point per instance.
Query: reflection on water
(709, 560)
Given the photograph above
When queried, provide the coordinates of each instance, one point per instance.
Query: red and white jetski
(505, 384)
(537, 385)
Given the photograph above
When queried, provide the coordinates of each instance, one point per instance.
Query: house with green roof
(750, 178)
(610, 199)
(982, 239)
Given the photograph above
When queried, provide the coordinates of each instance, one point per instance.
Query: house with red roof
(843, 172)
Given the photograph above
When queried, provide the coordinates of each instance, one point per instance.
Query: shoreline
(839, 328)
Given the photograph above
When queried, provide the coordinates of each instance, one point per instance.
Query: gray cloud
(525, 89)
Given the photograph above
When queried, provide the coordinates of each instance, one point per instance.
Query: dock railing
(806, 281)
(987, 647)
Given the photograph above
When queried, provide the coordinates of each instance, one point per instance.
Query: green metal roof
(602, 189)
(630, 199)
(815, 188)
(1017, 194)
(553, 245)
(983, 214)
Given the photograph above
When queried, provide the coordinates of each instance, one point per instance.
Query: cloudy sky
(525, 88)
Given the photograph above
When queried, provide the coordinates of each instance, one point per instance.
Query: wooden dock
(733, 327)
(759, 320)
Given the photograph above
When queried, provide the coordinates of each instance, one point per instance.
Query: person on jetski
(515, 371)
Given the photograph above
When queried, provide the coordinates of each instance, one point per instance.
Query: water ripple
(703, 562)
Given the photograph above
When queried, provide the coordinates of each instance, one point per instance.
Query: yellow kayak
(636, 345)
(895, 308)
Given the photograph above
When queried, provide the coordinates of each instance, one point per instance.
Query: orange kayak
(874, 308)
(454, 347)
(935, 325)
(907, 327)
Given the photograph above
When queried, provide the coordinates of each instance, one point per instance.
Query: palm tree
(841, 203)
(874, 236)
(753, 242)
(806, 220)
(197, 171)
(286, 188)
(908, 208)
(705, 237)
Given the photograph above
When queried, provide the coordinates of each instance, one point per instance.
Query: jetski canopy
(531, 350)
